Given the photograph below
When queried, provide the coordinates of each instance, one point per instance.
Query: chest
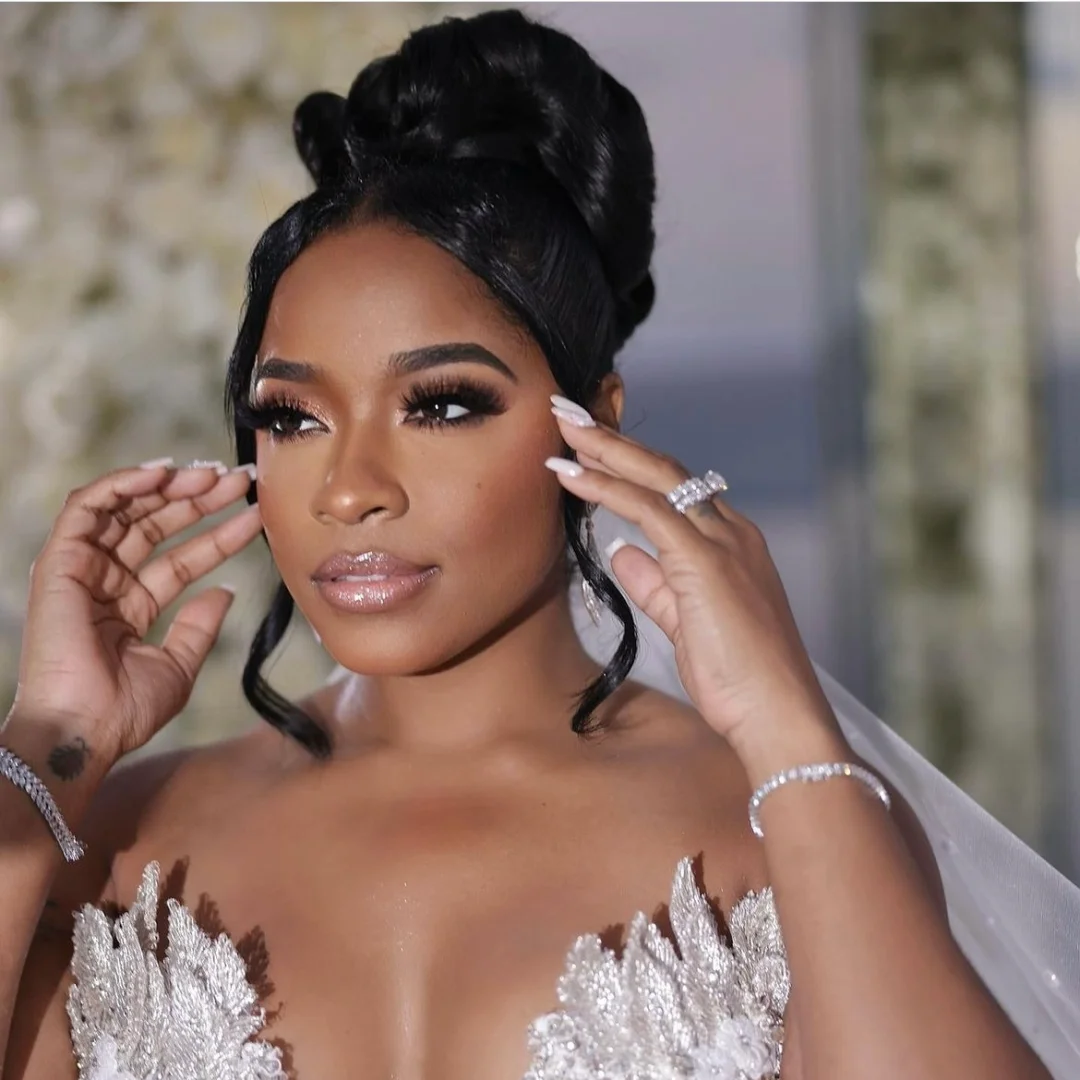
(417, 938)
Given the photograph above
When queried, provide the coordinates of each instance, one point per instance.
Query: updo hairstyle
(502, 141)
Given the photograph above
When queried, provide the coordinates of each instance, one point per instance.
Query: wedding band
(697, 489)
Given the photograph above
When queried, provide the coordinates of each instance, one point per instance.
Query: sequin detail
(712, 1011)
(189, 1018)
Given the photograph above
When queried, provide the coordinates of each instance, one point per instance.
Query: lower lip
(373, 594)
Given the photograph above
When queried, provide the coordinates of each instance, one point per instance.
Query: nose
(358, 484)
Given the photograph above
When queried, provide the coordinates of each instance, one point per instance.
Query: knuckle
(752, 534)
(152, 531)
(182, 570)
(674, 470)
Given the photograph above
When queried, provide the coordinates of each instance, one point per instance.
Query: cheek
(283, 486)
(508, 517)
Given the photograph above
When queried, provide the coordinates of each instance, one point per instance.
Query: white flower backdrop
(143, 149)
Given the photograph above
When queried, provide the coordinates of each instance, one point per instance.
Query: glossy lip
(370, 580)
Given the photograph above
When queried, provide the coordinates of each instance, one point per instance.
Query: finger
(622, 456)
(147, 533)
(186, 483)
(166, 577)
(193, 632)
(642, 579)
(667, 530)
(83, 509)
(77, 566)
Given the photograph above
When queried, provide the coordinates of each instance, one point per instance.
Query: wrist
(806, 740)
(64, 755)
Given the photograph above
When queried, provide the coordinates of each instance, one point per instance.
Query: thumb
(193, 631)
(643, 581)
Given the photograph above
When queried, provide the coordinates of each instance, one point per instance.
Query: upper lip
(365, 564)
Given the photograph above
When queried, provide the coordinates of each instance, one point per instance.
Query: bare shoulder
(696, 769)
(676, 727)
(149, 792)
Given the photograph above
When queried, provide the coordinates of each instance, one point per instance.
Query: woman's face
(404, 424)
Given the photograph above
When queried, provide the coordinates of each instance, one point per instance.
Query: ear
(607, 403)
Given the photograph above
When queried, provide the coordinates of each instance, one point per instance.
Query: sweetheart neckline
(717, 1004)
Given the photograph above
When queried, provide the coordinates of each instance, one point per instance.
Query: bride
(468, 856)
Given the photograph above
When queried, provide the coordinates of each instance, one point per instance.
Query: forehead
(374, 290)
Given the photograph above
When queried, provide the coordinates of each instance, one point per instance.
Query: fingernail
(156, 463)
(614, 546)
(575, 418)
(249, 468)
(218, 466)
(561, 465)
(567, 405)
(229, 588)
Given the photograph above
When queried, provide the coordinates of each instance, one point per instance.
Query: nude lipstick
(369, 581)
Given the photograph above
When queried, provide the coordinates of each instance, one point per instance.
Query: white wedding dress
(710, 1010)
(713, 1010)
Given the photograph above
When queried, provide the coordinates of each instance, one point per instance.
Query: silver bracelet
(22, 776)
(812, 774)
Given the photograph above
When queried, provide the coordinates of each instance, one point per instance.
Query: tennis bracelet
(22, 776)
(812, 774)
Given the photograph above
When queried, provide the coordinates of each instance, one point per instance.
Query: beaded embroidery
(711, 1011)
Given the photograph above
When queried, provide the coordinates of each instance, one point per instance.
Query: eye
(443, 410)
(290, 422)
(450, 403)
(282, 420)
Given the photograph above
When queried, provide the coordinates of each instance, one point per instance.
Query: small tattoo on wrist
(68, 761)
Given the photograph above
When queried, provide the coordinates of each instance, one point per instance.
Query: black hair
(502, 141)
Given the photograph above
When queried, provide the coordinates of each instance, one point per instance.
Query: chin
(379, 647)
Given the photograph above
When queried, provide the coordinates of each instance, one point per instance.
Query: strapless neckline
(703, 1008)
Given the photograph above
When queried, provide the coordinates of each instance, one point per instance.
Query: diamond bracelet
(22, 776)
(812, 774)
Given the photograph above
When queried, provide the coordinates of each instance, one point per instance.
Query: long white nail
(218, 466)
(567, 405)
(157, 463)
(562, 465)
(614, 546)
(575, 418)
(249, 468)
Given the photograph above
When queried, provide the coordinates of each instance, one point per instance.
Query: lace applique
(715, 1012)
(189, 1018)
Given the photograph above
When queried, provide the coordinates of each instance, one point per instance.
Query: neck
(519, 687)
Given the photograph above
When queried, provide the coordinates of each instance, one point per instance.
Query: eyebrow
(401, 363)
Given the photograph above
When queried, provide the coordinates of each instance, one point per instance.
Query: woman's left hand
(713, 589)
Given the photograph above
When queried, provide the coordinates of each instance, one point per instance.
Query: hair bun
(499, 85)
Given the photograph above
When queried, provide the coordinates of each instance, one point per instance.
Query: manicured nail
(569, 406)
(574, 418)
(229, 588)
(614, 546)
(218, 466)
(157, 463)
(249, 468)
(562, 465)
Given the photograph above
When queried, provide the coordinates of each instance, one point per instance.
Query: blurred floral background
(867, 317)
(145, 148)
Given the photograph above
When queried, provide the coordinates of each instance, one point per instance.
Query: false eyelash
(481, 400)
(278, 410)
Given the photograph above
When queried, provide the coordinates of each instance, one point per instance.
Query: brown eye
(450, 403)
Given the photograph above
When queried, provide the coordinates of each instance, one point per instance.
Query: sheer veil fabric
(1015, 917)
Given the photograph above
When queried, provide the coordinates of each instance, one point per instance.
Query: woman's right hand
(97, 587)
